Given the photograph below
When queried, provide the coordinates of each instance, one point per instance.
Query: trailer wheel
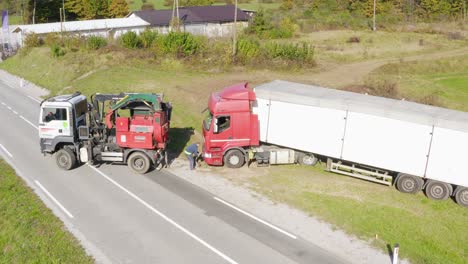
(234, 159)
(65, 159)
(307, 159)
(139, 162)
(461, 196)
(408, 184)
(437, 190)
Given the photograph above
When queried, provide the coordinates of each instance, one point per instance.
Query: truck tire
(139, 162)
(408, 183)
(65, 159)
(461, 196)
(307, 159)
(234, 159)
(437, 190)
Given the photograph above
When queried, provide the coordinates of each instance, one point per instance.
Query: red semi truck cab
(230, 126)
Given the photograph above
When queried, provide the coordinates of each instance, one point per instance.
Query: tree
(44, 11)
(88, 9)
(118, 8)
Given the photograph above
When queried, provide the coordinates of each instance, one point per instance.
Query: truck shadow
(179, 136)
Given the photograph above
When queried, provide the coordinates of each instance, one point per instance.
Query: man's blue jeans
(191, 161)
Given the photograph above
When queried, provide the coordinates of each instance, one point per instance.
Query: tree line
(41, 11)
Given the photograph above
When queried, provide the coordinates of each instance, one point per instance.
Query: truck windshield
(207, 121)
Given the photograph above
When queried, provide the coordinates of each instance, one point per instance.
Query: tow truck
(125, 128)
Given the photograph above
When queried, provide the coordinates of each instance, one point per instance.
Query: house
(108, 28)
(210, 21)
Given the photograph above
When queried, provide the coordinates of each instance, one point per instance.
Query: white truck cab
(59, 120)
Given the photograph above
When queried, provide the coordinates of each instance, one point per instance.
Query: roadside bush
(247, 49)
(74, 43)
(179, 44)
(302, 52)
(57, 51)
(52, 39)
(147, 38)
(130, 40)
(95, 42)
(33, 40)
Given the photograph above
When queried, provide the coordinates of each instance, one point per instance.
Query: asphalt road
(122, 217)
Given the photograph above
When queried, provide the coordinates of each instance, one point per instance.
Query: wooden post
(373, 24)
(234, 32)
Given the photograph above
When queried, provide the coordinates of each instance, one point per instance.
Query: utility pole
(63, 10)
(34, 13)
(373, 22)
(234, 32)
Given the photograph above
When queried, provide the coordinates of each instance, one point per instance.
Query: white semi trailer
(383, 140)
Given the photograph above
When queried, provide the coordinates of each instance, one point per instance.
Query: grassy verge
(29, 232)
(440, 82)
(427, 231)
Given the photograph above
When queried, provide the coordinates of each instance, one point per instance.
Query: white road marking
(15, 112)
(256, 218)
(9, 108)
(166, 218)
(53, 199)
(34, 99)
(3, 103)
(6, 151)
(29, 122)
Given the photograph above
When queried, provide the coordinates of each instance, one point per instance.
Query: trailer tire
(234, 159)
(65, 159)
(437, 190)
(461, 196)
(307, 159)
(408, 183)
(139, 162)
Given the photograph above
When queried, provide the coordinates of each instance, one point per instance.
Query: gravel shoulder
(305, 226)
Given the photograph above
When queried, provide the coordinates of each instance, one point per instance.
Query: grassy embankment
(428, 231)
(29, 231)
(442, 82)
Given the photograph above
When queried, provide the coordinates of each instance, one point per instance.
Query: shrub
(179, 44)
(354, 40)
(57, 51)
(95, 42)
(130, 40)
(247, 49)
(73, 43)
(147, 38)
(52, 39)
(33, 40)
(293, 52)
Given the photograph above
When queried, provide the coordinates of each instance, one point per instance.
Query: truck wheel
(234, 159)
(461, 196)
(65, 159)
(307, 159)
(139, 162)
(437, 190)
(408, 184)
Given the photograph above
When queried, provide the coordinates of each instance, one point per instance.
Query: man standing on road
(192, 152)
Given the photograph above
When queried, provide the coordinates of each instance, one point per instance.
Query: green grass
(445, 81)
(334, 45)
(29, 232)
(427, 231)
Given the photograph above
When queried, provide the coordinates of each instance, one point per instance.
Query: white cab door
(54, 121)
